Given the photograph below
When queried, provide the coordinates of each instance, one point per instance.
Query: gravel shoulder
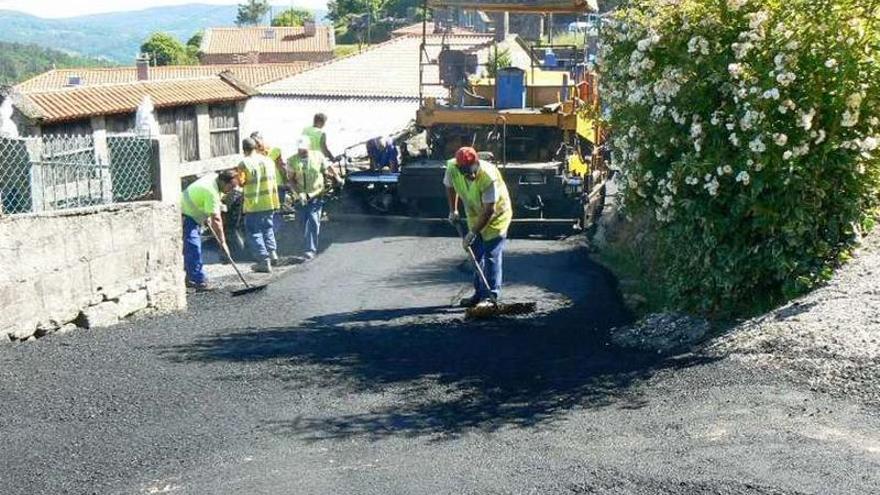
(828, 339)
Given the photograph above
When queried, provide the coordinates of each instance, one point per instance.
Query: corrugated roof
(250, 74)
(387, 70)
(267, 40)
(416, 30)
(81, 102)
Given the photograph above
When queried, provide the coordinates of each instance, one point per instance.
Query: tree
(196, 40)
(252, 12)
(165, 49)
(293, 17)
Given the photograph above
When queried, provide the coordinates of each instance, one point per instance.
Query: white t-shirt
(490, 195)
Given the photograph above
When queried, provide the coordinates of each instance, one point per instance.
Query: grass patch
(345, 50)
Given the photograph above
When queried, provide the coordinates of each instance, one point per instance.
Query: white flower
(792, 45)
(691, 180)
(850, 119)
(801, 150)
(727, 169)
(779, 61)
(780, 139)
(757, 145)
(869, 144)
(806, 119)
(757, 19)
(735, 5)
(771, 94)
(821, 136)
(874, 121)
(696, 130)
(786, 78)
(831, 63)
(743, 177)
(735, 70)
(855, 101)
(787, 155)
(707, 177)
(712, 187)
(734, 140)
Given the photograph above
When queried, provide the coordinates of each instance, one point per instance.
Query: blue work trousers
(260, 229)
(489, 257)
(192, 252)
(309, 216)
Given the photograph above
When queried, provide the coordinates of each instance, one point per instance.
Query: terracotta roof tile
(255, 39)
(387, 70)
(250, 74)
(81, 102)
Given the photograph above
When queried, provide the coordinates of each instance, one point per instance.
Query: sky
(71, 8)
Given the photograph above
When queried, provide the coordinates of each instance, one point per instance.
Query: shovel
(496, 309)
(248, 288)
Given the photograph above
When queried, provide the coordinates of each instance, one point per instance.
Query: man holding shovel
(481, 189)
(200, 204)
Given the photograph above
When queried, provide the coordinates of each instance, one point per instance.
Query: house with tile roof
(205, 112)
(367, 94)
(251, 74)
(267, 45)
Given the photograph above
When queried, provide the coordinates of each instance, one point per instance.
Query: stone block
(67, 328)
(23, 332)
(110, 273)
(131, 302)
(102, 315)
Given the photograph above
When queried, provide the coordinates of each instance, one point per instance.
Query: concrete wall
(349, 120)
(88, 267)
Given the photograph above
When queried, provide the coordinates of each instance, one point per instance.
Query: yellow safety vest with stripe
(308, 177)
(260, 184)
(201, 199)
(471, 194)
(315, 135)
(280, 173)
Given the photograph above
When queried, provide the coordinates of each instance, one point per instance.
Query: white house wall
(349, 120)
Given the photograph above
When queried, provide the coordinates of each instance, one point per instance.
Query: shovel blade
(509, 309)
(248, 290)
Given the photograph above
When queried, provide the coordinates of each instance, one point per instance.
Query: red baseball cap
(466, 156)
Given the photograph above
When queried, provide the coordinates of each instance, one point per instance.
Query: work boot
(199, 287)
(486, 304)
(273, 255)
(264, 266)
(309, 255)
(469, 302)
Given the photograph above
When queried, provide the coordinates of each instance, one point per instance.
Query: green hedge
(749, 130)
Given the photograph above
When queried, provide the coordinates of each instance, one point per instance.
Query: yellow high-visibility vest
(471, 194)
(260, 184)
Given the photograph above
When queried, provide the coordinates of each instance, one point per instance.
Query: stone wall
(88, 267)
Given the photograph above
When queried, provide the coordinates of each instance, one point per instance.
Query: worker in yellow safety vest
(317, 137)
(200, 205)
(308, 169)
(274, 154)
(257, 176)
(479, 186)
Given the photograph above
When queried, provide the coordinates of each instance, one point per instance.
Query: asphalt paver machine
(535, 121)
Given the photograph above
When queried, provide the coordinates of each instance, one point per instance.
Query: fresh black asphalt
(352, 375)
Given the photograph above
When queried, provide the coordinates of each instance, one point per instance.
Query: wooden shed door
(181, 121)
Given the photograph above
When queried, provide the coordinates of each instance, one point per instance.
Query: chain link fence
(60, 172)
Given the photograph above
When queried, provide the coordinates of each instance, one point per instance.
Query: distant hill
(19, 62)
(115, 36)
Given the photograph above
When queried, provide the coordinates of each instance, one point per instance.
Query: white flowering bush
(750, 131)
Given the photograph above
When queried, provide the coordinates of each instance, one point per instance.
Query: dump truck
(536, 123)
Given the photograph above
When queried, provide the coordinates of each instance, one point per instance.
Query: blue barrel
(510, 88)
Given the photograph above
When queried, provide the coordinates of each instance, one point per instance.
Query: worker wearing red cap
(481, 189)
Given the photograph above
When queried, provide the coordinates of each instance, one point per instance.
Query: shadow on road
(439, 378)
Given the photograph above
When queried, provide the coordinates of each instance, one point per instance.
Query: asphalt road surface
(351, 375)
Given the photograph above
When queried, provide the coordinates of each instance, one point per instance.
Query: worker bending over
(481, 189)
(383, 153)
(200, 204)
(308, 169)
(257, 175)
